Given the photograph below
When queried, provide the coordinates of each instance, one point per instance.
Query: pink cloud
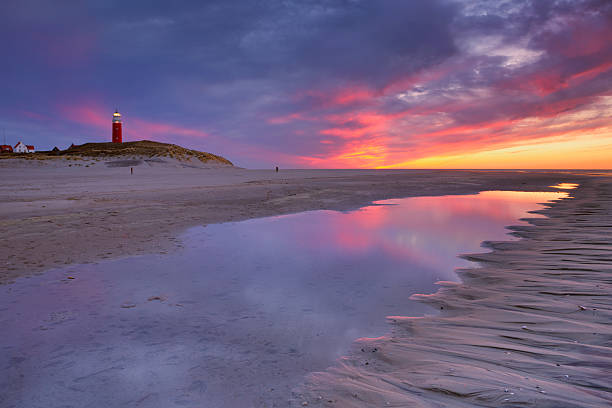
(134, 128)
(281, 120)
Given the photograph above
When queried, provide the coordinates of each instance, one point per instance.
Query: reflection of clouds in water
(244, 306)
(566, 186)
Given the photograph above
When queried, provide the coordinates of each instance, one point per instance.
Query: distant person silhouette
(277, 169)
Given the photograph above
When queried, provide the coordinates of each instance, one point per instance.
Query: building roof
(30, 147)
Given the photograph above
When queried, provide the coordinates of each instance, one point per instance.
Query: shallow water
(565, 186)
(243, 311)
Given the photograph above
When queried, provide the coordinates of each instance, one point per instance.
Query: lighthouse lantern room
(117, 138)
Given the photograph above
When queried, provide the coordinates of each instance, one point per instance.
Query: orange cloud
(344, 95)
(352, 95)
(355, 125)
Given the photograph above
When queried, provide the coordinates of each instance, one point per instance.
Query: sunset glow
(419, 84)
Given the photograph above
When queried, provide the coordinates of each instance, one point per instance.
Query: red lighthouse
(117, 127)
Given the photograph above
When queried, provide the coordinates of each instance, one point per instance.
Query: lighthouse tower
(117, 127)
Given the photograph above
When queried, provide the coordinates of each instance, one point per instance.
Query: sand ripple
(530, 327)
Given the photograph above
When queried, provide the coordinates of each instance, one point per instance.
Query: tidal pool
(243, 311)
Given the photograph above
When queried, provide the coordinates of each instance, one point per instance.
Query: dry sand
(529, 328)
(53, 215)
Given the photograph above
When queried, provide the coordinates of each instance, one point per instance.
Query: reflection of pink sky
(565, 186)
(506, 206)
(426, 230)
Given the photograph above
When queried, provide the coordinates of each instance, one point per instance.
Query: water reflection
(566, 186)
(243, 311)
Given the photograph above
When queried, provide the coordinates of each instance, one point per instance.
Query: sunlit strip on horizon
(585, 152)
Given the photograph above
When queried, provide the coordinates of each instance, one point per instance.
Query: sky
(318, 84)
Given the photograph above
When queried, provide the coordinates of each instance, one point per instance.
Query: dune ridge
(142, 149)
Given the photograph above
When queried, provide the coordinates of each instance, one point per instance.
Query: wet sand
(244, 311)
(530, 327)
(52, 215)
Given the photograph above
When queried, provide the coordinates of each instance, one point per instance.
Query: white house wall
(21, 148)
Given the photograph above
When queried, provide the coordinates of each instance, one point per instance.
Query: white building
(21, 148)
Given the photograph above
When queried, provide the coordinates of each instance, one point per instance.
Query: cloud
(349, 83)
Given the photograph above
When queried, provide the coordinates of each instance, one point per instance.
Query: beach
(345, 204)
(54, 215)
(530, 326)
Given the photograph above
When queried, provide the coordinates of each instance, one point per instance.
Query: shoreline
(83, 215)
(529, 326)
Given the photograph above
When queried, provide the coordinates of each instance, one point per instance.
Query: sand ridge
(530, 327)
